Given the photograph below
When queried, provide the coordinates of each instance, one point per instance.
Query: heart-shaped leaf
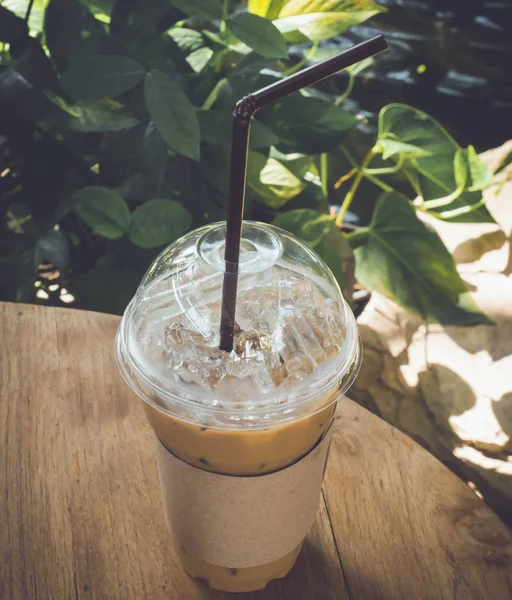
(319, 20)
(103, 210)
(265, 8)
(441, 174)
(390, 147)
(272, 182)
(158, 222)
(259, 34)
(98, 77)
(173, 114)
(404, 259)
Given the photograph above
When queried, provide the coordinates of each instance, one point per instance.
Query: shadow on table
(311, 578)
(437, 407)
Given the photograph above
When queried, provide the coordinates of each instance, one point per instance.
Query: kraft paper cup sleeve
(238, 522)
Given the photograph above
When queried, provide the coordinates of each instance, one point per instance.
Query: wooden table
(81, 515)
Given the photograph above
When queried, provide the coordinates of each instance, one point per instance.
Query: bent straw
(242, 115)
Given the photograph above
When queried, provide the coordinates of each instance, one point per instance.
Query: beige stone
(451, 387)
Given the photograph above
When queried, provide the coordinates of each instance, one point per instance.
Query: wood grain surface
(81, 515)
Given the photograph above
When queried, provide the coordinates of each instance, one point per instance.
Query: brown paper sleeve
(238, 522)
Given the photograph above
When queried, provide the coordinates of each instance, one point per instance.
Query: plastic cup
(236, 432)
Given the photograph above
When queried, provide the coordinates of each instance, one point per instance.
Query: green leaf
(103, 210)
(19, 7)
(216, 126)
(54, 248)
(460, 168)
(187, 39)
(272, 182)
(199, 59)
(138, 157)
(259, 34)
(323, 19)
(68, 25)
(480, 174)
(99, 117)
(320, 233)
(158, 222)
(12, 28)
(173, 114)
(403, 258)
(205, 9)
(440, 176)
(390, 147)
(98, 77)
(266, 8)
(307, 125)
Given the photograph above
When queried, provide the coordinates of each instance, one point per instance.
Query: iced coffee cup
(241, 437)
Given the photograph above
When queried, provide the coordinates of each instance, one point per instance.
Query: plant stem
(375, 180)
(300, 64)
(379, 183)
(324, 173)
(29, 10)
(224, 16)
(212, 96)
(347, 92)
(353, 189)
(387, 170)
(345, 177)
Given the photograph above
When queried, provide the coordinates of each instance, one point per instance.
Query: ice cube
(258, 309)
(328, 326)
(297, 343)
(297, 289)
(201, 365)
(250, 343)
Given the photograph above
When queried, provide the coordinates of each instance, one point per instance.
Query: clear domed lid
(295, 336)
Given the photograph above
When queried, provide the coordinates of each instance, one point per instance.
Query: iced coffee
(235, 431)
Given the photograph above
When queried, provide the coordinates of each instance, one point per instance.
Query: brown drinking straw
(242, 115)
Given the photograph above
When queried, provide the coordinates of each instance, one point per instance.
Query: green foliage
(321, 233)
(442, 173)
(172, 113)
(158, 222)
(318, 20)
(116, 132)
(404, 258)
(98, 77)
(259, 34)
(106, 213)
